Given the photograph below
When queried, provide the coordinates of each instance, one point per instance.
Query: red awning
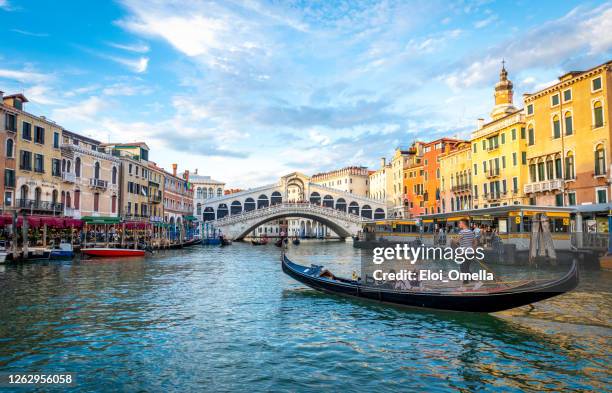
(6, 220)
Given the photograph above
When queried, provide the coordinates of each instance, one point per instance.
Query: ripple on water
(227, 319)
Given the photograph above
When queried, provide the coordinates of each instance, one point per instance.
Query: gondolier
(467, 241)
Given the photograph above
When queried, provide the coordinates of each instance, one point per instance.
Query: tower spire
(503, 94)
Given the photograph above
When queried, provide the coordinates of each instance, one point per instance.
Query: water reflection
(227, 319)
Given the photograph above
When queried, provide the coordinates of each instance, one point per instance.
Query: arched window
(597, 114)
(219, 192)
(600, 160)
(569, 124)
(249, 204)
(199, 194)
(556, 127)
(97, 171)
(10, 148)
(235, 208)
(114, 175)
(77, 169)
(54, 196)
(77, 199)
(63, 165)
(276, 198)
(37, 195)
(114, 204)
(68, 165)
(211, 192)
(24, 193)
(199, 205)
(68, 201)
(96, 202)
(531, 136)
(569, 166)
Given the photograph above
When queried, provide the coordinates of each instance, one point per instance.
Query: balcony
(46, 206)
(462, 188)
(68, 177)
(542, 186)
(98, 184)
(493, 196)
(492, 173)
(72, 212)
(492, 148)
(155, 198)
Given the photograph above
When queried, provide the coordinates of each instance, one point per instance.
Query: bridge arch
(379, 214)
(262, 201)
(353, 208)
(341, 204)
(338, 229)
(249, 204)
(366, 211)
(276, 198)
(235, 208)
(222, 210)
(328, 201)
(315, 198)
(208, 214)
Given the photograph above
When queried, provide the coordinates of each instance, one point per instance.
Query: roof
(130, 144)
(18, 95)
(79, 136)
(204, 179)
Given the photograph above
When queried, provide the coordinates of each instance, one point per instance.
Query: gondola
(278, 243)
(261, 242)
(470, 301)
(296, 241)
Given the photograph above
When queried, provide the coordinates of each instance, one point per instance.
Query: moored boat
(483, 300)
(64, 251)
(261, 242)
(112, 252)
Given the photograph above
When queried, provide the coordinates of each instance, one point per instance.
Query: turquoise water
(227, 319)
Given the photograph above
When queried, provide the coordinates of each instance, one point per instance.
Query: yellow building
(568, 129)
(38, 170)
(134, 201)
(403, 158)
(499, 152)
(456, 178)
(157, 179)
(377, 181)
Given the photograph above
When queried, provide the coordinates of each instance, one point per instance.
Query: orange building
(414, 189)
(432, 202)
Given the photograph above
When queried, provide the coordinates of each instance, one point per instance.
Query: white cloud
(485, 22)
(4, 4)
(29, 33)
(86, 110)
(41, 94)
(136, 65)
(124, 89)
(24, 76)
(137, 48)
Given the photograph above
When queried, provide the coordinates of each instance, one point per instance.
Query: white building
(352, 179)
(204, 187)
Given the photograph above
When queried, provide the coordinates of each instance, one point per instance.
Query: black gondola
(261, 242)
(296, 241)
(278, 243)
(473, 301)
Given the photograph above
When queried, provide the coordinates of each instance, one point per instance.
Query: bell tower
(503, 95)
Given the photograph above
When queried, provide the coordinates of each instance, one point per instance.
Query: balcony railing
(494, 195)
(542, 186)
(154, 198)
(47, 206)
(492, 173)
(461, 187)
(98, 183)
(68, 177)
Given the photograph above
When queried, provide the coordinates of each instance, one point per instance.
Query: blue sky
(247, 91)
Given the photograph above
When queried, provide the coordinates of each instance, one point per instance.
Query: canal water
(228, 319)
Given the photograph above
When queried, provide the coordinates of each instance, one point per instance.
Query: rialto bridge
(293, 196)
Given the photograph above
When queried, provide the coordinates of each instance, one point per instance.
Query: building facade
(431, 172)
(568, 131)
(157, 179)
(134, 201)
(352, 179)
(499, 150)
(204, 188)
(377, 181)
(178, 196)
(8, 135)
(456, 178)
(36, 143)
(90, 178)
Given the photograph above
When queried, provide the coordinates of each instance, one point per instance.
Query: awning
(91, 220)
(190, 218)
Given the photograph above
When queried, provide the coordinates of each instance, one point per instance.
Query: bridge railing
(303, 207)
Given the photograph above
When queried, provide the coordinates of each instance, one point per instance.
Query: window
(569, 166)
(56, 165)
(26, 131)
(541, 174)
(39, 163)
(96, 201)
(532, 173)
(530, 109)
(474, 146)
(475, 169)
(571, 199)
(554, 100)
(77, 167)
(77, 199)
(596, 84)
(130, 169)
(9, 178)
(523, 133)
(10, 122)
(475, 191)
(25, 160)
(10, 150)
(558, 167)
(531, 136)
(567, 95)
(524, 157)
(597, 114)
(556, 127)
(114, 175)
(514, 159)
(503, 138)
(515, 184)
(602, 195)
(56, 140)
(513, 134)
(503, 162)
(559, 200)
(114, 204)
(97, 170)
(600, 161)
(8, 198)
(569, 124)
(550, 170)
(39, 135)
(484, 144)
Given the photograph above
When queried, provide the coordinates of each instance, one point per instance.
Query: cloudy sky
(249, 90)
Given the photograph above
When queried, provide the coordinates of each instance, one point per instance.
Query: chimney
(480, 123)
(383, 162)
(174, 166)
